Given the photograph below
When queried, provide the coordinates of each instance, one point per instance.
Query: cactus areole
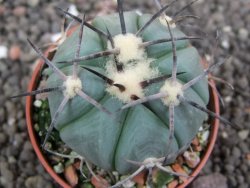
(141, 132)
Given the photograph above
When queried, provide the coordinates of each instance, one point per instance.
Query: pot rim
(213, 103)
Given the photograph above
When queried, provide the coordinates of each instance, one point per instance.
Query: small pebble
(14, 52)
(73, 10)
(37, 181)
(210, 181)
(225, 44)
(2, 9)
(19, 11)
(229, 168)
(204, 136)
(59, 168)
(243, 34)
(236, 152)
(11, 160)
(192, 159)
(100, 182)
(38, 103)
(3, 138)
(33, 3)
(71, 175)
(243, 134)
(227, 29)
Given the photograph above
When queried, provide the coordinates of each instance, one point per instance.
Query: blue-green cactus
(139, 132)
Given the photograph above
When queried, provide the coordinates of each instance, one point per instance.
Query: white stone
(225, 44)
(55, 37)
(205, 136)
(38, 103)
(224, 135)
(243, 34)
(243, 134)
(3, 52)
(227, 29)
(228, 99)
(58, 168)
(73, 10)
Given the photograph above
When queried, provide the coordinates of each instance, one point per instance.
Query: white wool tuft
(130, 77)
(163, 19)
(129, 46)
(72, 86)
(173, 89)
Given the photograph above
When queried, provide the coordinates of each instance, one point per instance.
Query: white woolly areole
(72, 86)
(163, 19)
(172, 89)
(129, 46)
(130, 78)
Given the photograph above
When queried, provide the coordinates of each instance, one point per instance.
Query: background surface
(229, 165)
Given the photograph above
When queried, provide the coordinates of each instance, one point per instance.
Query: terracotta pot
(213, 105)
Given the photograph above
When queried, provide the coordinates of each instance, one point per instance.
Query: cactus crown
(164, 96)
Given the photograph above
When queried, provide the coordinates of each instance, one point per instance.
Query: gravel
(229, 165)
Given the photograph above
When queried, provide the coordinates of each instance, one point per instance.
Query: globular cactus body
(136, 133)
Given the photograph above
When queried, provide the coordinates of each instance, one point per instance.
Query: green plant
(131, 96)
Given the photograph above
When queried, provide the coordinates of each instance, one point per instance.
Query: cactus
(127, 92)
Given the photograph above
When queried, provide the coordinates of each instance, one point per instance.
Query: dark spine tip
(32, 93)
(121, 16)
(185, 7)
(120, 87)
(106, 79)
(69, 14)
(119, 67)
(146, 83)
(134, 97)
(31, 44)
(63, 62)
